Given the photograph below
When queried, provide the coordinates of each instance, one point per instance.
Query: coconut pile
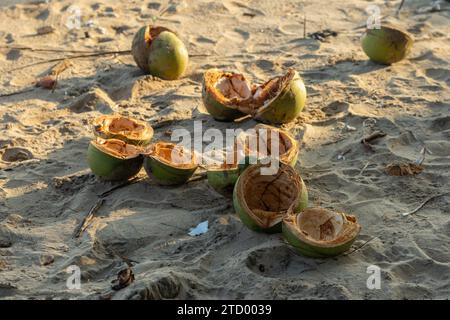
(340, 163)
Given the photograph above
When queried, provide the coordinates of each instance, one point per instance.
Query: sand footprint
(276, 262)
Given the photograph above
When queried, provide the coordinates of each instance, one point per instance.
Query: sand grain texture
(46, 187)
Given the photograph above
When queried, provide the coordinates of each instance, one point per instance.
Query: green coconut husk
(280, 100)
(223, 92)
(129, 130)
(261, 201)
(159, 52)
(320, 233)
(169, 164)
(386, 45)
(113, 159)
(223, 178)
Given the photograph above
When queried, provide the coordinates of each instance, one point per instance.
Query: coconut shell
(286, 98)
(113, 159)
(261, 201)
(319, 232)
(386, 45)
(129, 130)
(288, 146)
(161, 164)
(221, 107)
(159, 52)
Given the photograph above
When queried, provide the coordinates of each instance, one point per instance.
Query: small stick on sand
(361, 246)
(373, 136)
(124, 184)
(84, 224)
(424, 203)
(304, 26)
(364, 168)
(400, 7)
(16, 92)
(88, 219)
(80, 56)
(366, 141)
(45, 50)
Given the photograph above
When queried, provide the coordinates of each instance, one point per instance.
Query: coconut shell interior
(269, 197)
(121, 125)
(325, 226)
(264, 145)
(233, 89)
(173, 155)
(117, 148)
(153, 32)
(228, 88)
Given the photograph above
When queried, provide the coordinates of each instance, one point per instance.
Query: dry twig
(424, 203)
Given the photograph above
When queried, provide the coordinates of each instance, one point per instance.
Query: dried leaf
(124, 278)
(44, 30)
(47, 82)
(403, 169)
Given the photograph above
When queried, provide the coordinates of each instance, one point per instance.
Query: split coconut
(129, 130)
(159, 52)
(169, 164)
(228, 96)
(387, 44)
(257, 144)
(262, 201)
(113, 159)
(319, 232)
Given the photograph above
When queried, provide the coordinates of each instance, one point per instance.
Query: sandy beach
(46, 187)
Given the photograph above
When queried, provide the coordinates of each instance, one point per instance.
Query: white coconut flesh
(326, 227)
(269, 197)
(173, 155)
(234, 89)
(117, 148)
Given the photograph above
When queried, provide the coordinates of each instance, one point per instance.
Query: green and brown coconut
(223, 176)
(224, 93)
(129, 130)
(159, 52)
(114, 159)
(319, 232)
(169, 164)
(260, 143)
(387, 44)
(228, 96)
(262, 200)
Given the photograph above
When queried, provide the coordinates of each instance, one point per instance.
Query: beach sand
(46, 187)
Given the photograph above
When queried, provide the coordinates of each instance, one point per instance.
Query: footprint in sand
(439, 74)
(336, 108)
(275, 262)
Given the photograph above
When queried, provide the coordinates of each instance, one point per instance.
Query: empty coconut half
(169, 164)
(130, 130)
(262, 200)
(266, 141)
(319, 232)
(114, 159)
